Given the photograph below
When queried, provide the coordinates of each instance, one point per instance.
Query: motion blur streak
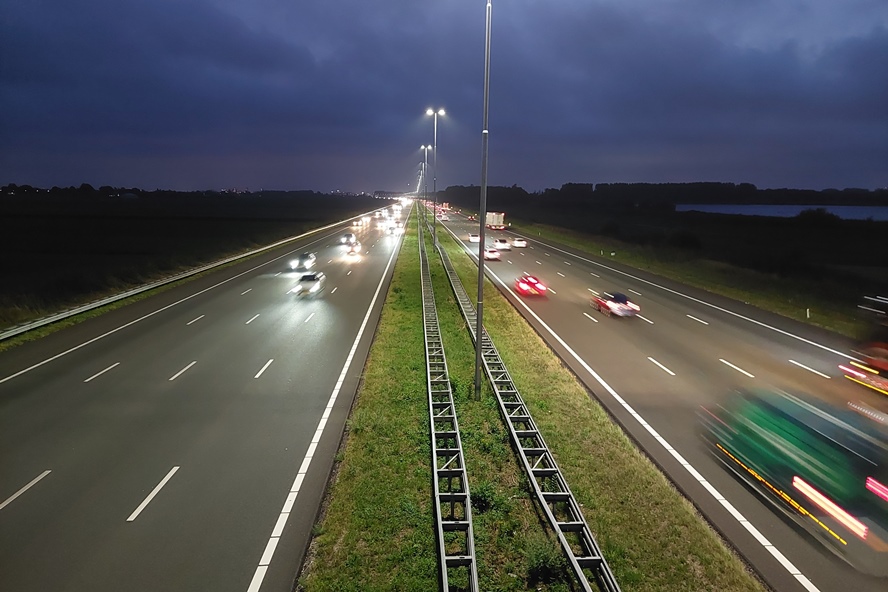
(852, 523)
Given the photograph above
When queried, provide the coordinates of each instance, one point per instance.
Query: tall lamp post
(482, 214)
(435, 113)
(425, 167)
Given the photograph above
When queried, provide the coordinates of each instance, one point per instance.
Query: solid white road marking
(253, 319)
(740, 370)
(590, 317)
(809, 369)
(278, 529)
(97, 374)
(662, 367)
(267, 364)
(33, 482)
(309, 318)
(334, 289)
(195, 320)
(696, 319)
(634, 292)
(645, 319)
(561, 274)
(245, 291)
(151, 495)
(182, 371)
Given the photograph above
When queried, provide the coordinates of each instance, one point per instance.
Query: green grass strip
(376, 532)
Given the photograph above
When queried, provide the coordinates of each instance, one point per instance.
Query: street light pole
(435, 113)
(482, 214)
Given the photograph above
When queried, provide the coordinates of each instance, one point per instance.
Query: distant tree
(86, 188)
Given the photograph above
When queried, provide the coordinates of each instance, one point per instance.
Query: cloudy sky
(316, 94)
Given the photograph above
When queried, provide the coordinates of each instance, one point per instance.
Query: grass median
(377, 533)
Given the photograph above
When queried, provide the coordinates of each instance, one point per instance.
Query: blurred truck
(494, 221)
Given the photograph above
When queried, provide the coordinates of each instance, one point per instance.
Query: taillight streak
(828, 506)
(877, 488)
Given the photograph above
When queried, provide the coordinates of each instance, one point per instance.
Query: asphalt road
(183, 442)
(688, 349)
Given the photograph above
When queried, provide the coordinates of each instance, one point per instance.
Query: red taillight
(828, 506)
(877, 488)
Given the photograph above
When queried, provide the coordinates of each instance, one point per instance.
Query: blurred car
(472, 217)
(474, 238)
(615, 304)
(518, 242)
(348, 237)
(353, 248)
(445, 218)
(357, 223)
(309, 284)
(490, 254)
(825, 467)
(528, 285)
(502, 244)
(304, 261)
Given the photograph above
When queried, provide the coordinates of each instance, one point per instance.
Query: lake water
(788, 211)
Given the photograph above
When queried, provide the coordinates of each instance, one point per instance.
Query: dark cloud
(310, 94)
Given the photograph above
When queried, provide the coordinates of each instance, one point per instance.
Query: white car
(304, 261)
(518, 242)
(474, 238)
(491, 254)
(502, 244)
(347, 238)
(309, 284)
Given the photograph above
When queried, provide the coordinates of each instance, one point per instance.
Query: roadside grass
(795, 298)
(377, 532)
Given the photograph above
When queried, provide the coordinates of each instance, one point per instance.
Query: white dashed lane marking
(662, 367)
(253, 319)
(809, 369)
(264, 368)
(590, 317)
(97, 374)
(738, 369)
(245, 291)
(151, 495)
(696, 319)
(194, 320)
(182, 371)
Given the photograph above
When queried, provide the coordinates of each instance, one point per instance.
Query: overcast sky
(315, 94)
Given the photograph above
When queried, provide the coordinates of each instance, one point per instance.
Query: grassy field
(376, 532)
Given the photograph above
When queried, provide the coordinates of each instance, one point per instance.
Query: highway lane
(683, 354)
(212, 404)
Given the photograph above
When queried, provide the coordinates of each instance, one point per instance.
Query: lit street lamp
(435, 113)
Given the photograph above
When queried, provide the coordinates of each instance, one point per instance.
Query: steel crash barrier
(453, 511)
(552, 493)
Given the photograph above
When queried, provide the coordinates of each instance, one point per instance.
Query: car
(615, 304)
(518, 242)
(304, 261)
(502, 244)
(474, 238)
(347, 238)
(528, 285)
(491, 254)
(354, 248)
(309, 284)
(358, 223)
(472, 217)
(445, 218)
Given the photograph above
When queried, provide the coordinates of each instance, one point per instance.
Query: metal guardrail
(550, 487)
(453, 508)
(18, 330)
